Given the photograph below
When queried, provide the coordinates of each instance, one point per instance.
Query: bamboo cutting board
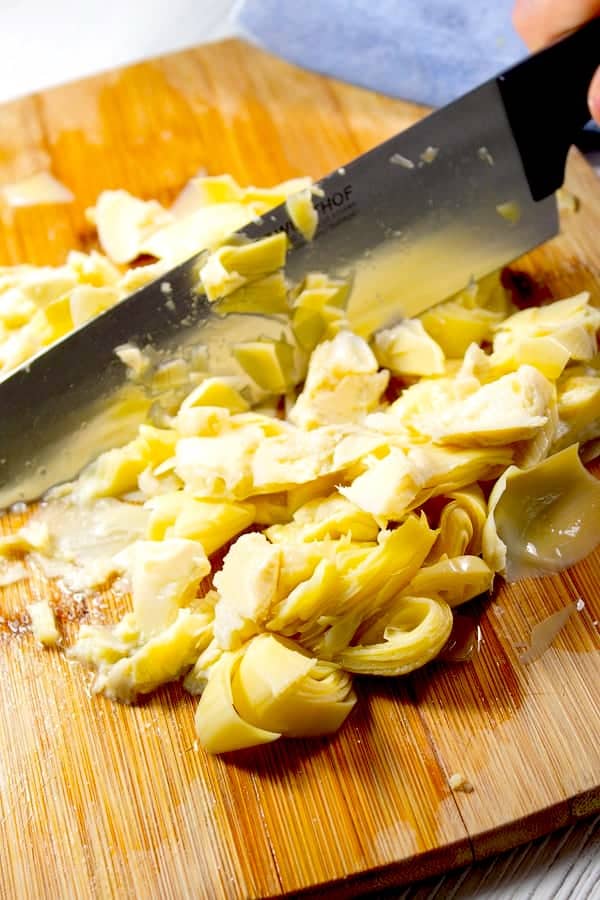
(98, 800)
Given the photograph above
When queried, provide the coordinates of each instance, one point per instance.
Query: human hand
(541, 22)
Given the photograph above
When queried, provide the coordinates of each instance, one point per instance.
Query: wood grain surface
(99, 800)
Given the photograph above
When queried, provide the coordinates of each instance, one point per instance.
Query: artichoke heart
(409, 634)
(455, 580)
(279, 687)
(219, 726)
(127, 666)
(542, 519)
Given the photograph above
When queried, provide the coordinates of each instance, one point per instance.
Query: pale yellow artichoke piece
(370, 578)
(263, 199)
(345, 354)
(16, 309)
(513, 408)
(55, 320)
(319, 488)
(35, 535)
(86, 301)
(39, 284)
(407, 349)
(203, 229)
(211, 523)
(454, 581)
(164, 510)
(160, 442)
(543, 519)
(217, 281)
(573, 323)
(448, 469)
(219, 467)
(172, 375)
(295, 458)
(100, 646)
(403, 480)
(136, 361)
(454, 328)
(391, 564)
(461, 524)
(139, 276)
(318, 309)
(299, 561)
(265, 296)
(273, 666)
(206, 191)
(547, 354)
(219, 726)
(319, 295)
(329, 517)
(456, 532)
(202, 421)
(388, 487)
(342, 385)
(270, 363)
(35, 305)
(410, 634)
(217, 391)
(156, 482)
(127, 668)
(533, 450)
(116, 472)
(307, 600)
(197, 678)
(270, 424)
(229, 267)
(310, 326)
(487, 293)
(123, 223)
(302, 213)
(318, 291)
(247, 586)
(468, 317)
(164, 576)
(428, 397)
(218, 190)
(510, 211)
(271, 509)
(279, 688)
(43, 623)
(93, 269)
(578, 409)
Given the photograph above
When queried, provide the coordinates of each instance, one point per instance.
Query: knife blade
(409, 223)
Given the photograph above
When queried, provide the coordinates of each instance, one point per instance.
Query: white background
(47, 42)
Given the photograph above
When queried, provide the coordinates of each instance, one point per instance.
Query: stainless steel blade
(408, 232)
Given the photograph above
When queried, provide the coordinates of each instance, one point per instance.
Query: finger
(541, 22)
(594, 96)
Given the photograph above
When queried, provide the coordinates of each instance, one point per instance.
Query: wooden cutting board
(99, 800)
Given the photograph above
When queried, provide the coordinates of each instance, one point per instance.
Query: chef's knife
(458, 195)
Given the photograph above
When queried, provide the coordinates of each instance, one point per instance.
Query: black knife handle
(546, 103)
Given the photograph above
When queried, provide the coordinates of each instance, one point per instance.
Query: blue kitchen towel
(428, 51)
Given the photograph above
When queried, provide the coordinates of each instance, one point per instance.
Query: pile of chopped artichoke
(39, 305)
(283, 553)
